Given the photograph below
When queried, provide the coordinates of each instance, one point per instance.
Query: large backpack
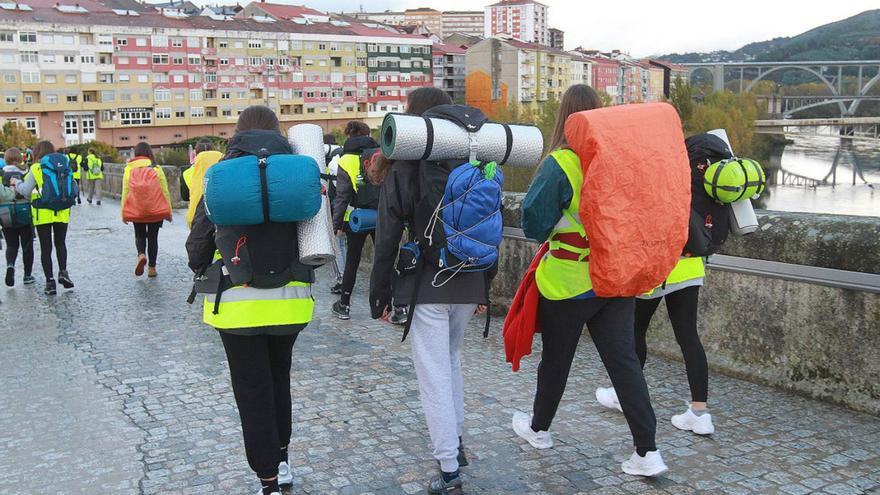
(710, 220)
(59, 190)
(18, 212)
(367, 195)
(458, 218)
(145, 201)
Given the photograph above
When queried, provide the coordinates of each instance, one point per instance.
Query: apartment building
(449, 70)
(506, 70)
(468, 23)
(524, 20)
(431, 19)
(581, 70)
(556, 38)
(125, 72)
(389, 17)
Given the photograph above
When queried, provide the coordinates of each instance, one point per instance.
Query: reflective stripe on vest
(247, 307)
(43, 216)
(564, 272)
(686, 269)
(351, 163)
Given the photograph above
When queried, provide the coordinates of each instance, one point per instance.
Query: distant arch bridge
(829, 73)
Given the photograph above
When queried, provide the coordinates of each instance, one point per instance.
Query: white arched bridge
(864, 75)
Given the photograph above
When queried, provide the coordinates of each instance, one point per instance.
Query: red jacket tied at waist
(521, 322)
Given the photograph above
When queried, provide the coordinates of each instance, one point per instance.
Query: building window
(72, 98)
(87, 59)
(30, 124)
(177, 42)
(70, 59)
(161, 58)
(211, 77)
(9, 78)
(122, 41)
(197, 112)
(223, 44)
(142, 60)
(11, 99)
(162, 95)
(255, 61)
(135, 116)
(255, 43)
(179, 114)
(163, 113)
(176, 60)
(224, 61)
(142, 78)
(27, 37)
(52, 99)
(7, 36)
(227, 113)
(70, 79)
(194, 60)
(71, 125)
(29, 77)
(195, 94)
(140, 42)
(88, 124)
(29, 57)
(224, 95)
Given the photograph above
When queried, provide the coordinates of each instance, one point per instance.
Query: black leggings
(260, 371)
(23, 238)
(356, 243)
(610, 322)
(682, 308)
(146, 239)
(48, 233)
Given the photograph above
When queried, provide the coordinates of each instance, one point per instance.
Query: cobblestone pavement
(116, 387)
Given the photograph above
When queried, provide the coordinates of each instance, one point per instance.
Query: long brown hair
(42, 149)
(577, 98)
(417, 102)
(145, 150)
(257, 117)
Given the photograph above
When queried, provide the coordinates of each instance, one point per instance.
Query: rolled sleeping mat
(308, 140)
(315, 235)
(362, 220)
(742, 218)
(406, 137)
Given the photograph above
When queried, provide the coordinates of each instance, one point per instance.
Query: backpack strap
(415, 296)
(262, 163)
(429, 142)
(509, 135)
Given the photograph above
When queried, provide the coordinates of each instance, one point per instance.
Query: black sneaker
(342, 311)
(28, 280)
(399, 316)
(438, 486)
(50, 289)
(79, 201)
(64, 278)
(89, 201)
(10, 276)
(336, 289)
(99, 202)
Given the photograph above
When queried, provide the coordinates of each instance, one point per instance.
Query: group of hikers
(256, 290)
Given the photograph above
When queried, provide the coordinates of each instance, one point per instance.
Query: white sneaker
(522, 425)
(260, 492)
(607, 396)
(285, 474)
(650, 465)
(688, 421)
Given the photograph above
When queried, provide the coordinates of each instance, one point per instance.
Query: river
(812, 156)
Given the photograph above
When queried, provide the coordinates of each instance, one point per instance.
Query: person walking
(95, 176)
(51, 224)
(550, 212)
(191, 187)
(76, 165)
(353, 190)
(258, 327)
(438, 321)
(147, 204)
(19, 235)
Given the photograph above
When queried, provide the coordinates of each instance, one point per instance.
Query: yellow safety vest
(564, 272)
(351, 163)
(43, 216)
(195, 183)
(687, 269)
(187, 176)
(77, 159)
(94, 171)
(247, 307)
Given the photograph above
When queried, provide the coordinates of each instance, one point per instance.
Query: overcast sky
(650, 27)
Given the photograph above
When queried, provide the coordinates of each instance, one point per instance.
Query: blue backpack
(59, 189)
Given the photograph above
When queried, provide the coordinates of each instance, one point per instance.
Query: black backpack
(710, 221)
(367, 195)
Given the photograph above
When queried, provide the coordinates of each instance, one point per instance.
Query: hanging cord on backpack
(240, 243)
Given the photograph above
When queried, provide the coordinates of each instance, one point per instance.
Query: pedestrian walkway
(118, 388)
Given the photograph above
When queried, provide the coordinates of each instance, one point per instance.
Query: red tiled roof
(534, 46)
(283, 11)
(448, 49)
(504, 3)
(101, 14)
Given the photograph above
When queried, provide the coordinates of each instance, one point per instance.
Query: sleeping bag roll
(407, 137)
(362, 220)
(234, 192)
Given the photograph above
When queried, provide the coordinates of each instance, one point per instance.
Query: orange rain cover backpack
(145, 201)
(636, 197)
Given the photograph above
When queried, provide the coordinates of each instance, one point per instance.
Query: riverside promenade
(117, 387)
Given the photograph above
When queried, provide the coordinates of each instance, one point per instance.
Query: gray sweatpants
(94, 186)
(437, 334)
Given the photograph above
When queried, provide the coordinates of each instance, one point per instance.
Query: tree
(607, 100)
(16, 135)
(682, 98)
(106, 151)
